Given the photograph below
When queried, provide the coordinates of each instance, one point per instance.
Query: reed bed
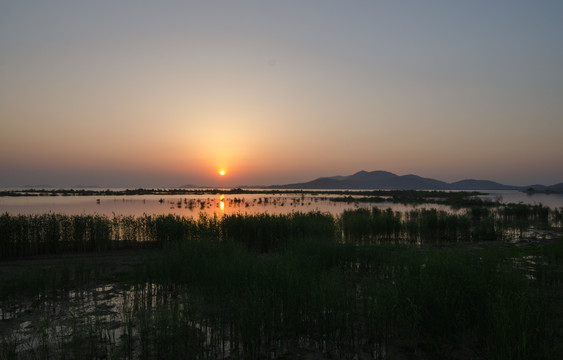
(30, 235)
(370, 284)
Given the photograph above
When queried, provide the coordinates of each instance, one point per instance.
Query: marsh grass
(221, 299)
(31, 235)
(370, 283)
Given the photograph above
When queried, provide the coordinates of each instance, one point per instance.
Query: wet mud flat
(59, 304)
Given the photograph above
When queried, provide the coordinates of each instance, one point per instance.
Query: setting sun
(222, 172)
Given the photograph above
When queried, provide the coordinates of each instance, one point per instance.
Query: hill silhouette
(388, 181)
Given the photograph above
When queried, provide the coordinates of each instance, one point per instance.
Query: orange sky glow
(158, 94)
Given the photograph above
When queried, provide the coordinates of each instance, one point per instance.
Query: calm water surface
(194, 205)
(514, 196)
(185, 205)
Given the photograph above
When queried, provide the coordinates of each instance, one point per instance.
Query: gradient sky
(131, 93)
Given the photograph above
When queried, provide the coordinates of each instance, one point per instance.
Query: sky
(138, 93)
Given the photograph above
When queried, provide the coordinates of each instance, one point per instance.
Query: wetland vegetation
(482, 281)
(397, 196)
(30, 235)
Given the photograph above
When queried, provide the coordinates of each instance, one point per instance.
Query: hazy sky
(164, 93)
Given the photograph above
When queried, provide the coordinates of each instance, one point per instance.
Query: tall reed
(29, 235)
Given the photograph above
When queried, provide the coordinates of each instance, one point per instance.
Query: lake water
(194, 205)
(513, 196)
(184, 205)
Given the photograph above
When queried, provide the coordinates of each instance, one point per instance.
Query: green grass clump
(265, 232)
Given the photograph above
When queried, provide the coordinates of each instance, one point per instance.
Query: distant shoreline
(546, 191)
(234, 191)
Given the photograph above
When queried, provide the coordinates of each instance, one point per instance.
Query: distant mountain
(369, 180)
(471, 184)
(389, 181)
